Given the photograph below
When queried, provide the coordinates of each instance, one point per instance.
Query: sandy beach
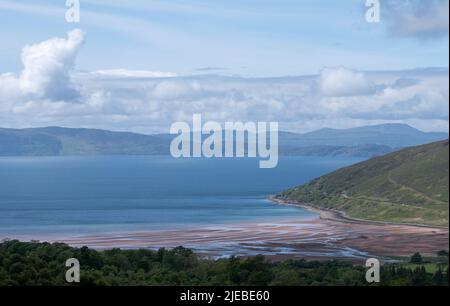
(327, 237)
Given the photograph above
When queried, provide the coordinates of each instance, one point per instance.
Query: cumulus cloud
(142, 101)
(418, 18)
(47, 66)
(343, 82)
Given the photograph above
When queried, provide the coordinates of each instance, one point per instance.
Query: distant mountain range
(364, 141)
(392, 135)
(55, 141)
(407, 186)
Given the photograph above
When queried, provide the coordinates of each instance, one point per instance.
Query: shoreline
(340, 216)
(277, 239)
(328, 236)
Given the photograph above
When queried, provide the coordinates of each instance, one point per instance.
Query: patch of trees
(43, 264)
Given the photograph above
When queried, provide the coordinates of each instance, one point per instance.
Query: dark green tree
(416, 259)
(439, 278)
(442, 253)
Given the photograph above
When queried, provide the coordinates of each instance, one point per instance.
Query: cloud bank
(48, 91)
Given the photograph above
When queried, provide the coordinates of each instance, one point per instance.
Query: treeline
(43, 264)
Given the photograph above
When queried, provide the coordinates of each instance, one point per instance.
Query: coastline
(329, 235)
(278, 239)
(340, 216)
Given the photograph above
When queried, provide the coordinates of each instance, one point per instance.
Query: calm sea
(86, 195)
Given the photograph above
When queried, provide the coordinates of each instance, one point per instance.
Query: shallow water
(70, 196)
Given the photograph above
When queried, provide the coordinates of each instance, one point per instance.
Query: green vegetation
(43, 264)
(430, 264)
(408, 186)
(416, 259)
(429, 267)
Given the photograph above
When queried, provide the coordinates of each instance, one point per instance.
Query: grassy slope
(408, 186)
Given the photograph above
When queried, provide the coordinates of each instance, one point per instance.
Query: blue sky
(249, 38)
(141, 65)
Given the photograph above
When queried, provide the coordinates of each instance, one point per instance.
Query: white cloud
(125, 73)
(47, 66)
(343, 82)
(46, 70)
(147, 102)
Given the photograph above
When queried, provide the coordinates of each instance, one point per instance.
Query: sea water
(64, 196)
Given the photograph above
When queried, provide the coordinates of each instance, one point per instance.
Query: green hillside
(407, 186)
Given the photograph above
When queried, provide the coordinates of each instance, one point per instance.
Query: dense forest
(43, 264)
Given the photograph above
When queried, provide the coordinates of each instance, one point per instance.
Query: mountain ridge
(366, 141)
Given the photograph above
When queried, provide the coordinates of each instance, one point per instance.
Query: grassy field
(408, 186)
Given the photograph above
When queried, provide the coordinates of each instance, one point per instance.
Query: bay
(106, 194)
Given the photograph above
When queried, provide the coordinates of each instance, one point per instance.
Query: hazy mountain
(408, 186)
(64, 141)
(367, 150)
(392, 135)
(363, 141)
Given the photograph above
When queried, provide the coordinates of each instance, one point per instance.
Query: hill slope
(408, 186)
